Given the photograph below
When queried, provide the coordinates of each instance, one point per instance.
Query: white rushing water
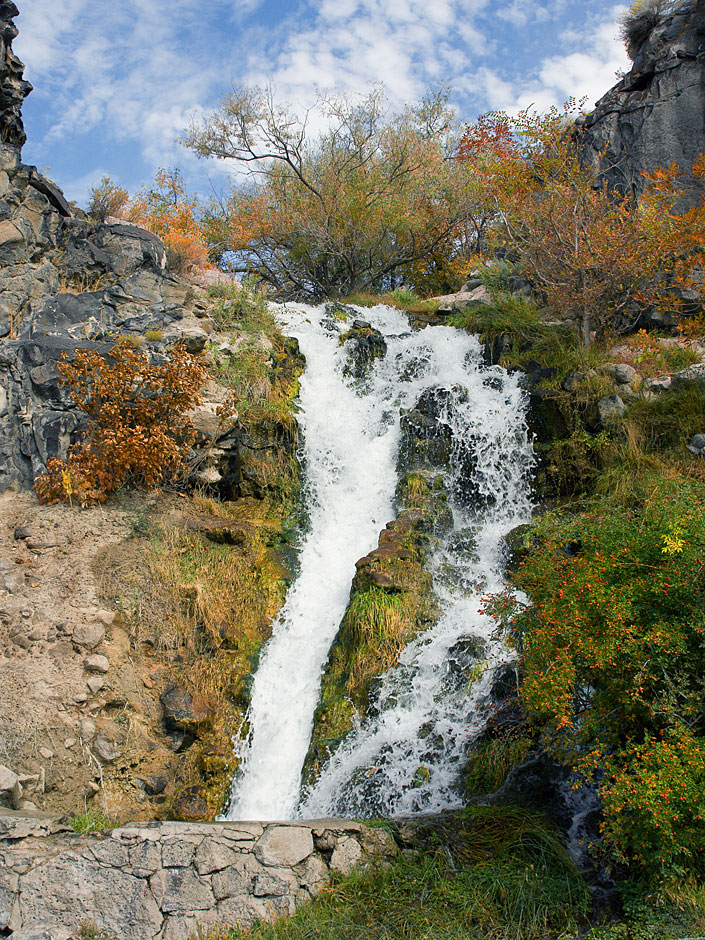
(406, 757)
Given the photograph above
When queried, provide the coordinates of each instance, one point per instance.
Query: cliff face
(64, 283)
(13, 88)
(656, 114)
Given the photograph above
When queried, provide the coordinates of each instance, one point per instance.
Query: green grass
(491, 761)
(245, 308)
(496, 873)
(92, 820)
(506, 313)
(374, 616)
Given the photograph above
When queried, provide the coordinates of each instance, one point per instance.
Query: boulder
(185, 711)
(610, 409)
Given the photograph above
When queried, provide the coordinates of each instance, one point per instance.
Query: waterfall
(406, 756)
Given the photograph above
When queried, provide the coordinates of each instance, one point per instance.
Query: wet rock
(548, 416)
(364, 344)
(517, 545)
(426, 432)
(185, 711)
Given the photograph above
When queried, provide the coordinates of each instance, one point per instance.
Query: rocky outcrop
(13, 88)
(655, 115)
(164, 881)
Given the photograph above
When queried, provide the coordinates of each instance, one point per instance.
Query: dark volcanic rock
(364, 345)
(185, 711)
(656, 114)
(13, 88)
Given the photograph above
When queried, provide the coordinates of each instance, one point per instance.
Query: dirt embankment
(121, 679)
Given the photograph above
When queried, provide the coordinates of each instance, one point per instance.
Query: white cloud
(584, 74)
(133, 73)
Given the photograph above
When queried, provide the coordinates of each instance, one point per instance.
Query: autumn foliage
(595, 257)
(371, 202)
(166, 209)
(138, 432)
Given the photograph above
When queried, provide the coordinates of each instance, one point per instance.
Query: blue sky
(116, 81)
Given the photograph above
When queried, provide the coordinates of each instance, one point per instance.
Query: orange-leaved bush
(167, 210)
(596, 257)
(138, 432)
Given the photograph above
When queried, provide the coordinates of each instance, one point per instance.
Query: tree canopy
(348, 208)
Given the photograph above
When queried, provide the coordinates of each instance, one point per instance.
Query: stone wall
(655, 115)
(162, 881)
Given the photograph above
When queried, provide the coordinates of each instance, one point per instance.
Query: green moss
(390, 602)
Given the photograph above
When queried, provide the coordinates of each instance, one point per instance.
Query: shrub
(614, 662)
(137, 432)
(595, 257)
(640, 19)
(107, 199)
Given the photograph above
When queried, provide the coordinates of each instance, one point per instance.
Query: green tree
(350, 208)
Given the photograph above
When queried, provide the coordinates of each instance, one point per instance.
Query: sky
(116, 82)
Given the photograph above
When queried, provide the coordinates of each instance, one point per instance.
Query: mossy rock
(426, 490)
(391, 601)
(364, 344)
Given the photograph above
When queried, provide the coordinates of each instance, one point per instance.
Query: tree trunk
(585, 325)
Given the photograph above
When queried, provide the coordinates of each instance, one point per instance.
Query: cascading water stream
(406, 757)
